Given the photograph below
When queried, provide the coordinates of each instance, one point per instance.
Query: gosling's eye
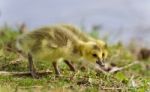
(103, 54)
(94, 55)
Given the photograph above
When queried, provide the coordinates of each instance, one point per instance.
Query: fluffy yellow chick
(55, 42)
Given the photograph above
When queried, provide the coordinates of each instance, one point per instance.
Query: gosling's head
(91, 51)
(101, 44)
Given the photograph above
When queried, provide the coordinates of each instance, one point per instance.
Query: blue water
(122, 20)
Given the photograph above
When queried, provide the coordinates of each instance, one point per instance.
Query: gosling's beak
(100, 62)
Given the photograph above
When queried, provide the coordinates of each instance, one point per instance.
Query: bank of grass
(133, 79)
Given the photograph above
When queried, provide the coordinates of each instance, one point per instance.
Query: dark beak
(100, 63)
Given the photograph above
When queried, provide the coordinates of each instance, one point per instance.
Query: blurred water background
(119, 20)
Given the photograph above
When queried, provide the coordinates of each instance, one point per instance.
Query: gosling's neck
(78, 48)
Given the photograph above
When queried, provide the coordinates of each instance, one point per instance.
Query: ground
(132, 79)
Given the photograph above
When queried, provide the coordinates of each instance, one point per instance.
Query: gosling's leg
(71, 66)
(57, 71)
(31, 66)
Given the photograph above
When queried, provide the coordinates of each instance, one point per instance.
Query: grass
(132, 79)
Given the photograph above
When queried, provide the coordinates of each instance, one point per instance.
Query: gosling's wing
(53, 36)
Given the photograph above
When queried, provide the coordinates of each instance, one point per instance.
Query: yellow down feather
(54, 42)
